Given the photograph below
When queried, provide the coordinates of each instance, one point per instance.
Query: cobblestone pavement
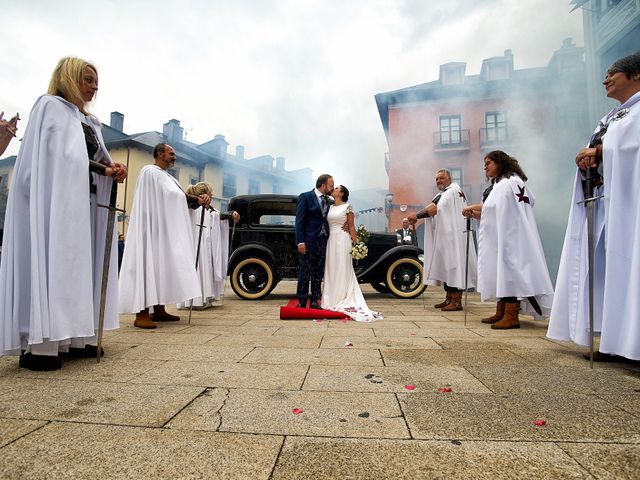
(239, 393)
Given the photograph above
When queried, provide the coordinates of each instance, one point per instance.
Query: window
(450, 129)
(456, 176)
(496, 126)
(224, 206)
(228, 185)
(273, 213)
(254, 187)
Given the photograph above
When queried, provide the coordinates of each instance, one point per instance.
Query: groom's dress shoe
(315, 306)
(302, 304)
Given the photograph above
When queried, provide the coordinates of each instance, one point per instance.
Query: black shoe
(89, 351)
(600, 357)
(40, 363)
(315, 306)
(302, 304)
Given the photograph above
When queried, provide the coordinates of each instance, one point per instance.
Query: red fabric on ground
(292, 312)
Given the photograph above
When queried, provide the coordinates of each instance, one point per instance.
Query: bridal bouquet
(359, 251)
(363, 234)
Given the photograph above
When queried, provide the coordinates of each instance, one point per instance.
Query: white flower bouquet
(359, 251)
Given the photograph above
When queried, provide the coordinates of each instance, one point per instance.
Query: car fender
(389, 256)
(252, 249)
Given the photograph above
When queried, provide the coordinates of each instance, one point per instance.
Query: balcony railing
(494, 137)
(451, 139)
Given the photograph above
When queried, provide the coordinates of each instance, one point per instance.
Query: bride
(341, 292)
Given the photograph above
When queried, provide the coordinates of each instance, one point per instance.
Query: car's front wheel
(404, 278)
(252, 278)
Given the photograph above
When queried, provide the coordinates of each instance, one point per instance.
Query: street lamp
(388, 204)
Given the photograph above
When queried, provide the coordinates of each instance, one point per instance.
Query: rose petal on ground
(409, 387)
(445, 390)
(297, 411)
(348, 344)
(540, 423)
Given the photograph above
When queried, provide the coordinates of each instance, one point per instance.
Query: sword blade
(466, 271)
(201, 226)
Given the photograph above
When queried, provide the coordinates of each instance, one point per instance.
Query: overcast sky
(292, 78)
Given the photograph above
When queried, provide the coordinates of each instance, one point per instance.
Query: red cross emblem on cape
(461, 194)
(521, 196)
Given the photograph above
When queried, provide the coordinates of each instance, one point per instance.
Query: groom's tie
(323, 205)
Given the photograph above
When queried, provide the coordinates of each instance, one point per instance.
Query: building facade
(539, 115)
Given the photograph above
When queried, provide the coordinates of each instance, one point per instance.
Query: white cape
(213, 258)
(617, 270)
(511, 261)
(341, 290)
(158, 264)
(445, 249)
(50, 277)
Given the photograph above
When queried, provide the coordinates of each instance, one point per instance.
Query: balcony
(449, 140)
(492, 138)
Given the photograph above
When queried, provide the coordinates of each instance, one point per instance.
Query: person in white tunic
(511, 261)
(341, 290)
(214, 249)
(445, 243)
(614, 150)
(54, 233)
(158, 264)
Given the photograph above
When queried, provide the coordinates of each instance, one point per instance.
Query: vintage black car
(264, 251)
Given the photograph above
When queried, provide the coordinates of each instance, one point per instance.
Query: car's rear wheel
(380, 287)
(252, 278)
(404, 278)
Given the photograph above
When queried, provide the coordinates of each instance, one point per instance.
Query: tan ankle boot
(143, 320)
(498, 315)
(455, 304)
(160, 315)
(445, 302)
(510, 319)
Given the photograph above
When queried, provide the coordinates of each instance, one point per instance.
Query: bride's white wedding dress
(341, 291)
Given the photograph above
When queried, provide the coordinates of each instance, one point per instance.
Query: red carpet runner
(292, 312)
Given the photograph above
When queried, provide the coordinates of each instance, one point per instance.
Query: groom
(312, 231)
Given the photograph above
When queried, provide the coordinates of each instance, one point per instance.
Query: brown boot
(143, 320)
(498, 315)
(444, 303)
(510, 319)
(455, 304)
(160, 315)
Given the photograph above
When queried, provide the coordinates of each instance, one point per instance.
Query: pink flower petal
(409, 387)
(348, 344)
(413, 333)
(540, 423)
(445, 390)
(297, 411)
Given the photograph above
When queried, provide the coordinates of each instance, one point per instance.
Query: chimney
(279, 163)
(239, 152)
(173, 131)
(220, 146)
(117, 121)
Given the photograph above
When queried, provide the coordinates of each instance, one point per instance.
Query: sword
(107, 259)
(197, 254)
(466, 270)
(588, 203)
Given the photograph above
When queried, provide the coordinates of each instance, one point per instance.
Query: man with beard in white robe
(445, 246)
(158, 265)
(54, 233)
(615, 151)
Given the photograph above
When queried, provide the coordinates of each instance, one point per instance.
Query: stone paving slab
(390, 379)
(203, 413)
(339, 414)
(379, 342)
(111, 403)
(186, 353)
(273, 341)
(507, 342)
(158, 337)
(329, 459)
(568, 417)
(117, 452)
(227, 375)
(606, 461)
(326, 331)
(12, 429)
(533, 379)
(308, 356)
(426, 332)
(629, 402)
(464, 358)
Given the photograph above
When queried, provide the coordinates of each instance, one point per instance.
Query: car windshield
(273, 213)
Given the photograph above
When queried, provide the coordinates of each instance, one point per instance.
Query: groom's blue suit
(312, 229)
